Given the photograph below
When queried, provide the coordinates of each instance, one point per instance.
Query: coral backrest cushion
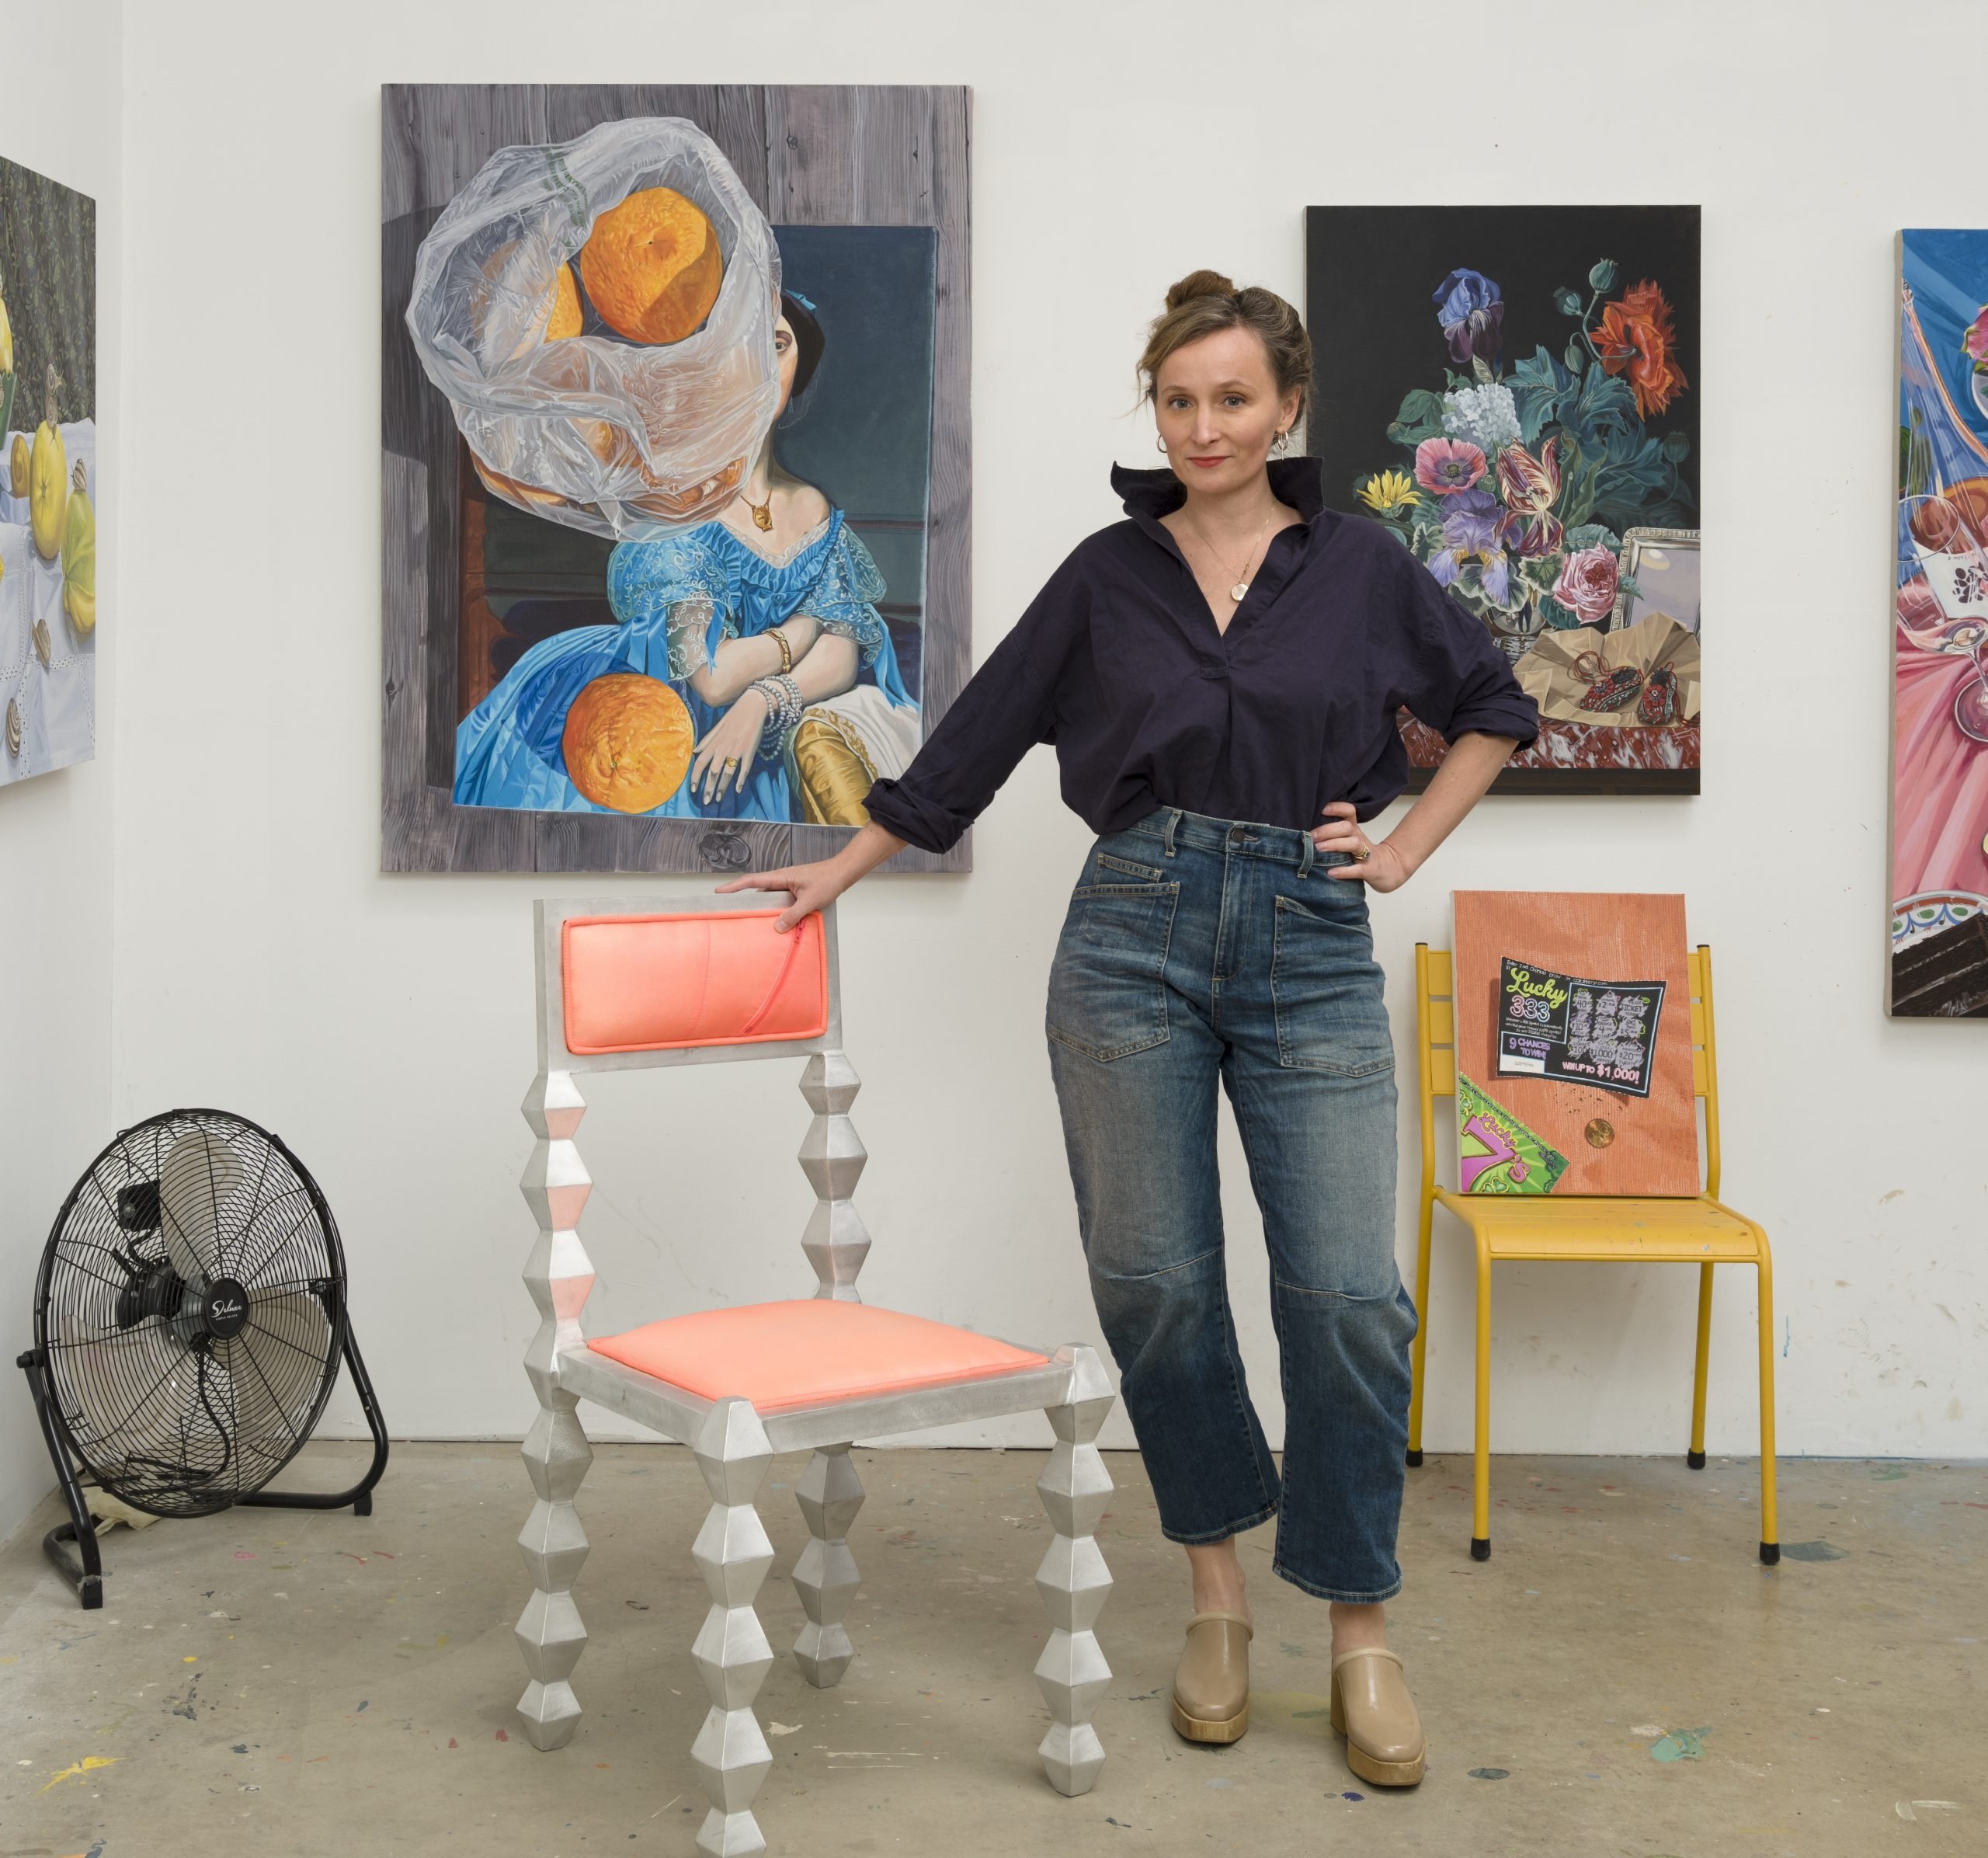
(654, 983)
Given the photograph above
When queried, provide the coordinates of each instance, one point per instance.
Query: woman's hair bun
(1200, 283)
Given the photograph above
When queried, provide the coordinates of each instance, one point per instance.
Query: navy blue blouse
(1118, 663)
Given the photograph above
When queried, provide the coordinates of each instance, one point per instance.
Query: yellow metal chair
(1698, 1231)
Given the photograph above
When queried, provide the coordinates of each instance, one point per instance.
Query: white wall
(382, 1024)
(62, 119)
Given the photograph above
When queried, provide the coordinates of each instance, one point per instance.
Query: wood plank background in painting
(808, 155)
(1652, 1144)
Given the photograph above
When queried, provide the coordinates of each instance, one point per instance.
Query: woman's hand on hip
(1381, 867)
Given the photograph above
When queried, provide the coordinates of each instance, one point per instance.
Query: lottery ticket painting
(1596, 1032)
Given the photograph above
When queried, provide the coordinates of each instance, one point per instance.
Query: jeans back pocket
(1107, 992)
(1327, 989)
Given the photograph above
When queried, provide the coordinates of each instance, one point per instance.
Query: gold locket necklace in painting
(1240, 586)
(762, 513)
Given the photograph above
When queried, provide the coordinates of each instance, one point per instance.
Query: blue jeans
(1194, 949)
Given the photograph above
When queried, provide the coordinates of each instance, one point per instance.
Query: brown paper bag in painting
(1561, 669)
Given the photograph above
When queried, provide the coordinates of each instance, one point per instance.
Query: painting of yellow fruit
(49, 482)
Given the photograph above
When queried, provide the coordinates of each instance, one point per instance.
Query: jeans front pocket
(1326, 988)
(1107, 997)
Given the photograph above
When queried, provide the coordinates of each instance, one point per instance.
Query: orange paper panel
(1612, 1142)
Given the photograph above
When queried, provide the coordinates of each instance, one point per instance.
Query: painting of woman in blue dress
(763, 620)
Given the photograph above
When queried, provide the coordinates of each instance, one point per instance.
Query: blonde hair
(1205, 302)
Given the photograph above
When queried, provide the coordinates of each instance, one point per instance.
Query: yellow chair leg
(1695, 1456)
(1418, 1350)
(1480, 1505)
(1770, 1522)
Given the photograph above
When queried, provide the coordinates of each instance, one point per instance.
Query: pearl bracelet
(784, 708)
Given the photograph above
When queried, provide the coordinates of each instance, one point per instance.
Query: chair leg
(558, 1274)
(1480, 1499)
(1769, 1521)
(830, 1494)
(1695, 1456)
(732, 1552)
(1418, 1351)
(1073, 1581)
(550, 1631)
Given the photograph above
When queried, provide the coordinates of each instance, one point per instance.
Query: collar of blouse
(1150, 495)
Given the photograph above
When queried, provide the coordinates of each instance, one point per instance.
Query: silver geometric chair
(623, 985)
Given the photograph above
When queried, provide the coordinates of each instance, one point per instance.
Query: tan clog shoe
(1212, 1687)
(1372, 1710)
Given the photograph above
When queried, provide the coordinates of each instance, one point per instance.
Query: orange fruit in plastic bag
(627, 742)
(565, 319)
(652, 266)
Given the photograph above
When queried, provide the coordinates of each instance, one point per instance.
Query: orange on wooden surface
(652, 266)
(565, 319)
(627, 742)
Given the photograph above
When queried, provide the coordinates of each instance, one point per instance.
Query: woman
(763, 619)
(1220, 674)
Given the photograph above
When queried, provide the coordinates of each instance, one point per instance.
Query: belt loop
(1173, 820)
(1304, 857)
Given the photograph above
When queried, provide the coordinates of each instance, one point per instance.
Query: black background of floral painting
(1371, 278)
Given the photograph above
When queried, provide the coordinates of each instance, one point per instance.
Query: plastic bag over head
(607, 429)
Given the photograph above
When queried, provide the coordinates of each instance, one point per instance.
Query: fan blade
(275, 1365)
(198, 1175)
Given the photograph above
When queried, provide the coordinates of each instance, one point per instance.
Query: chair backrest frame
(1435, 1037)
(550, 916)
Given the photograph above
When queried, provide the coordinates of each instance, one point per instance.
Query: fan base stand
(72, 1546)
(87, 1580)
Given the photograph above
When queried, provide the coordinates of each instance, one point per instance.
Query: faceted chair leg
(556, 1451)
(830, 1494)
(732, 1552)
(1073, 1580)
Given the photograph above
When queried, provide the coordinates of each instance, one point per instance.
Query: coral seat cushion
(808, 1352)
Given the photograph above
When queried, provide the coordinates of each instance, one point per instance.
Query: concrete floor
(1622, 1677)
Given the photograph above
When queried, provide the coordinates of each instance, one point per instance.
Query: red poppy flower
(1636, 337)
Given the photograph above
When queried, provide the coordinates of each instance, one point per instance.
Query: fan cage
(166, 1418)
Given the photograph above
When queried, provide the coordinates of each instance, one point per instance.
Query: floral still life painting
(1939, 913)
(1512, 392)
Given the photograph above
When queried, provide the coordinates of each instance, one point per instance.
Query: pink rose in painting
(1447, 465)
(1975, 340)
(1586, 585)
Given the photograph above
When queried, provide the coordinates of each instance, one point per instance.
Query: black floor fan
(189, 1318)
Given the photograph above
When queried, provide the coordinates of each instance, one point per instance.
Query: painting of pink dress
(1939, 914)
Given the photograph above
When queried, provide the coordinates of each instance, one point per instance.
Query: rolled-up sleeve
(1449, 671)
(1008, 706)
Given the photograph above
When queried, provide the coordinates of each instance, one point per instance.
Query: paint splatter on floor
(1490, 1773)
(1682, 1745)
(89, 1764)
(1813, 1551)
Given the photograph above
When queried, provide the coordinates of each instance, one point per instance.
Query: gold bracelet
(786, 650)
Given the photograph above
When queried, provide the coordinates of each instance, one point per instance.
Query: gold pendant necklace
(1239, 589)
(762, 513)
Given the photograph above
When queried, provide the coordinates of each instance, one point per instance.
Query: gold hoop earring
(1281, 444)
(1160, 444)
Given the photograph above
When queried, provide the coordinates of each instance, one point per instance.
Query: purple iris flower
(1470, 527)
(1471, 310)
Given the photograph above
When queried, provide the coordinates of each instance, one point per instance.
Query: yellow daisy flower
(1387, 490)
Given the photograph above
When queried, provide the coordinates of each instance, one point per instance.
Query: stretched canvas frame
(813, 155)
(1510, 390)
(1939, 839)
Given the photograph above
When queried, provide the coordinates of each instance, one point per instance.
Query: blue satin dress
(676, 599)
